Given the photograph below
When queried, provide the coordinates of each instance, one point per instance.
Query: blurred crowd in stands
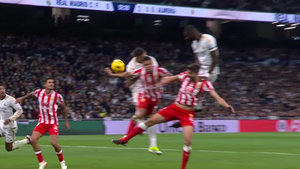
(287, 6)
(258, 82)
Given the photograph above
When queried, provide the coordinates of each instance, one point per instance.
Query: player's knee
(150, 123)
(34, 141)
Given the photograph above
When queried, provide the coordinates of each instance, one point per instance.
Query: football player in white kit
(136, 63)
(8, 124)
(206, 53)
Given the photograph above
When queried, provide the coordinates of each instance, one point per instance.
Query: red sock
(135, 131)
(132, 124)
(39, 156)
(185, 159)
(60, 156)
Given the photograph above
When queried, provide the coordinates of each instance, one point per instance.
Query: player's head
(190, 32)
(193, 70)
(139, 52)
(147, 63)
(49, 83)
(2, 90)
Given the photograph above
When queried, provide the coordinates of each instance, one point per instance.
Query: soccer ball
(118, 66)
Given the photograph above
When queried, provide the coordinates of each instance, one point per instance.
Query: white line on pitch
(208, 151)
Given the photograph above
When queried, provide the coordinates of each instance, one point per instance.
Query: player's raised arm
(221, 101)
(123, 74)
(27, 96)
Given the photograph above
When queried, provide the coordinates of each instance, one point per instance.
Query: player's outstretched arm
(65, 112)
(123, 74)
(21, 99)
(168, 79)
(221, 101)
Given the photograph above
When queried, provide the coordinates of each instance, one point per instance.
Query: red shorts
(147, 103)
(53, 129)
(174, 112)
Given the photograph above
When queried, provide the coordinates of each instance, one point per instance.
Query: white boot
(42, 165)
(63, 165)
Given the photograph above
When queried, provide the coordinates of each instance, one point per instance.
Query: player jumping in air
(8, 124)
(206, 54)
(149, 92)
(49, 100)
(135, 63)
(182, 109)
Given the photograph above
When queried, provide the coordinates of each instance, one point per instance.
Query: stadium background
(259, 75)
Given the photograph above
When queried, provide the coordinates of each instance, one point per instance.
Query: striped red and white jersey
(189, 91)
(48, 104)
(150, 87)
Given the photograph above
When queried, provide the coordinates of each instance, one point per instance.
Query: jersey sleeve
(60, 99)
(130, 66)
(181, 76)
(155, 63)
(207, 86)
(212, 43)
(163, 72)
(137, 72)
(14, 105)
(36, 92)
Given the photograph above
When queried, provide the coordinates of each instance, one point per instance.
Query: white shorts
(211, 77)
(8, 131)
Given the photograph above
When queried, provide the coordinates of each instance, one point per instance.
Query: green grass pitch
(210, 151)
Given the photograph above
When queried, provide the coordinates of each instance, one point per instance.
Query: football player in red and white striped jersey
(181, 109)
(49, 100)
(149, 91)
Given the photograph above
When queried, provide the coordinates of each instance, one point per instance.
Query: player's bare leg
(139, 114)
(37, 149)
(188, 135)
(58, 150)
(140, 128)
(11, 144)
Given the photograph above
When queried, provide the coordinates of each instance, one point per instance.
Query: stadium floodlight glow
(280, 25)
(295, 24)
(274, 22)
(289, 28)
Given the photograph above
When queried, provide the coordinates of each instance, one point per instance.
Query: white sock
(140, 121)
(187, 148)
(143, 126)
(152, 136)
(20, 143)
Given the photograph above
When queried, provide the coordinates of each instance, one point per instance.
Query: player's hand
(67, 125)
(230, 109)
(6, 122)
(108, 71)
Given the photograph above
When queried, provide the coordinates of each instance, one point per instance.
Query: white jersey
(131, 67)
(202, 49)
(7, 105)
